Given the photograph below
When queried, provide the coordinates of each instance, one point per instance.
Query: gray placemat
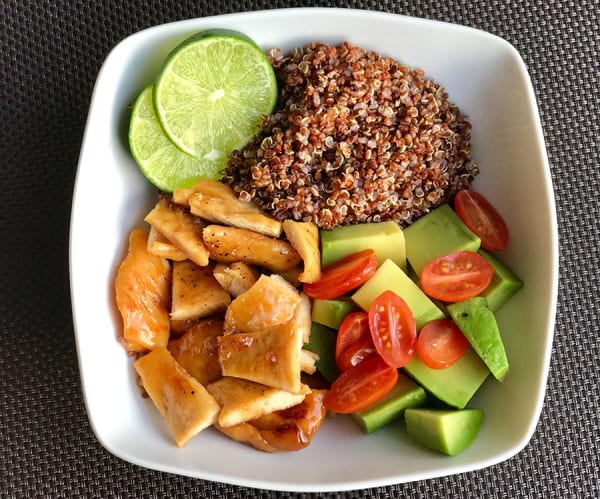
(50, 53)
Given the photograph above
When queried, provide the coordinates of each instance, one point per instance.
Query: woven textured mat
(50, 54)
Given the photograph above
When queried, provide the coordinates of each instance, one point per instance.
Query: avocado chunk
(385, 238)
(447, 431)
(389, 276)
(478, 324)
(436, 234)
(331, 313)
(504, 283)
(322, 342)
(405, 394)
(454, 385)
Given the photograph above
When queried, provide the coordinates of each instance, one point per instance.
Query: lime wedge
(163, 164)
(212, 93)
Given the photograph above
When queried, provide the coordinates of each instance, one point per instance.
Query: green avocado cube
(478, 324)
(447, 431)
(504, 283)
(331, 313)
(385, 238)
(390, 276)
(405, 394)
(437, 234)
(455, 385)
(322, 342)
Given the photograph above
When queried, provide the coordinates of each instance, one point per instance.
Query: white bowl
(487, 78)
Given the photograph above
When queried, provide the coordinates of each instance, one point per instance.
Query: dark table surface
(50, 54)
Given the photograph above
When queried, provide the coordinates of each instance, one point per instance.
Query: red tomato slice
(361, 386)
(393, 329)
(457, 276)
(482, 219)
(356, 353)
(343, 275)
(354, 327)
(441, 343)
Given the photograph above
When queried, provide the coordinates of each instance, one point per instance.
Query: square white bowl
(487, 78)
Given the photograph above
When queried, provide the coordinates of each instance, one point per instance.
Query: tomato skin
(361, 386)
(478, 214)
(441, 343)
(344, 275)
(354, 327)
(390, 313)
(457, 276)
(358, 351)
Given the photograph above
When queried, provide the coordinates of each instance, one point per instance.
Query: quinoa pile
(356, 137)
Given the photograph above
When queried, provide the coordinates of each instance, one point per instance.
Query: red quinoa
(356, 137)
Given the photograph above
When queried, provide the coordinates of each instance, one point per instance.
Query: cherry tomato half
(343, 275)
(356, 353)
(457, 276)
(482, 219)
(393, 329)
(361, 386)
(441, 343)
(354, 327)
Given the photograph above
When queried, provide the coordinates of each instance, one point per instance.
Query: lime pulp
(212, 93)
(163, 164)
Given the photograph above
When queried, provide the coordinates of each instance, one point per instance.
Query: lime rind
(163, 164)
(212, 93)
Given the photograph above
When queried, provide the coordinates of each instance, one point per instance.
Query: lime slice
(163, 164)
(212, 93)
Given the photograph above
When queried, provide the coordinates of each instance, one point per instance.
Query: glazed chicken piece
(159, 245)
(181, 228)
(271, 355)
(304, 238)
(230, 244)
(282, 431)
(242, 400)
(182, 401)
(143, 296)
(195, 292)
(271, 301)
(235, 278)
(217, 202)
(197, 350)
